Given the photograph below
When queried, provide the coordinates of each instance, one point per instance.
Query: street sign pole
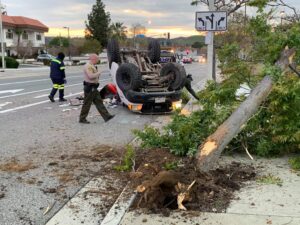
(210, 48)
(211, 21)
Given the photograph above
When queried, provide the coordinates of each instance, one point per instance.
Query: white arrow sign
(4, 104)
(211, 21)
(11, 91)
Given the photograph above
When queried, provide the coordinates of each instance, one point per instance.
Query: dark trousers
(58, 84)
(190, 89)
(92, 95)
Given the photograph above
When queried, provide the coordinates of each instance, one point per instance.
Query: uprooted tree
(274, 128)
(211, 149)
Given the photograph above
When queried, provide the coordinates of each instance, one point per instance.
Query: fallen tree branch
(212, 147)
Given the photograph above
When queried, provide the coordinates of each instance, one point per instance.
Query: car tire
(128, 77)
(178, 80)
(154, 51)
(113, 52)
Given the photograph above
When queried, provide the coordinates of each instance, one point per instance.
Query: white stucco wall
(10, 43)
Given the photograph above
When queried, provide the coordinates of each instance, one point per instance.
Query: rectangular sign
(211, 21)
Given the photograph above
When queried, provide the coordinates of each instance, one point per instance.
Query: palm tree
(118, 31)
(19, 32)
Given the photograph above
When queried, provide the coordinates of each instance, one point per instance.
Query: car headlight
(135, 107)
(177, 105)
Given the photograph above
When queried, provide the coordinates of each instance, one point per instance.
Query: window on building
(25, 35)
(38, 37)
(9, 34)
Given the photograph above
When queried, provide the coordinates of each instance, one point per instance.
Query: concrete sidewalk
(197, 218)
(255, 204)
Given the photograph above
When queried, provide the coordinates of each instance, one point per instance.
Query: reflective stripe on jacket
(57, 69)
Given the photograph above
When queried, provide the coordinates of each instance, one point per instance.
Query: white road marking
(48, 79)
(11, 91)
(48, 89)
(32, 92)
(33, 81)
(4, 104)
(33, 104)
(41, 96)
(39, 103)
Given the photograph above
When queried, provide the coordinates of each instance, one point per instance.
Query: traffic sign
(211, 21)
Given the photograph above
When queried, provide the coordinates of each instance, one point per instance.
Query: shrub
(46, 62)
(128, 160)
(10, 63)
(185, 96)
(295, 163)
(272, 130)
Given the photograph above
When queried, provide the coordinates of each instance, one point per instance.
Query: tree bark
(213, 146)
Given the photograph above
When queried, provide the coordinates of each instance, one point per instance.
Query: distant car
(43, 57)
(199, 59)
(167, 56)
(187, 60)
(202, 59)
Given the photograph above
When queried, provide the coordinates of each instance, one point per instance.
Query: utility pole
(134, 36)
(211, 48)
(69, 39)
(2, 37)
(245, 19)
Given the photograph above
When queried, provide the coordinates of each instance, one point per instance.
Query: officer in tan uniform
(91, 94)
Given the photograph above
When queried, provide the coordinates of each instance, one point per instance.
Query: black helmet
(61, 56)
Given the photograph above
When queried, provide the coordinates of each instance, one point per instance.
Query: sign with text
(211, 21)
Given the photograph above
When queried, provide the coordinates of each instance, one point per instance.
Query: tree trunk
(212, 147)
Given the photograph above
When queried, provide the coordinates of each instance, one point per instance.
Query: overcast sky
(176, 16)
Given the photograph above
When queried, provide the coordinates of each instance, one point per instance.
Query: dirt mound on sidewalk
(207, 192)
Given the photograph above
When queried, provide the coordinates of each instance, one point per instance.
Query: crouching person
(91, 94)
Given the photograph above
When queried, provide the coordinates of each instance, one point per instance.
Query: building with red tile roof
(23, 32)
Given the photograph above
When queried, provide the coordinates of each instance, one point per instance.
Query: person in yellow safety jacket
(58, 77)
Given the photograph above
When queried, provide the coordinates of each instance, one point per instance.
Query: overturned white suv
(143, 84)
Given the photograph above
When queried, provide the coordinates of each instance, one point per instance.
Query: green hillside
(187, 41)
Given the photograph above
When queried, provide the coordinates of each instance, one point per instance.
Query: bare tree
(26, 50)
(229, 5)
(280, 3)
(233, 5)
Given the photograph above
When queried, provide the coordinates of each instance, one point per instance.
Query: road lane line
(11, 91)
(32, 92)
(34, 104)
(4, 104)
(33, 81)
(41, 96)
(48, 89)
(39, 103)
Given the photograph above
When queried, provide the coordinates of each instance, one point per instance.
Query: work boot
(63, 100)
(109, 118)
(51, 98)
(84, 121)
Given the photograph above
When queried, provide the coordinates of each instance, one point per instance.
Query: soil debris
(185, 187)
(2, 191)
(17, 166)
(49, 190)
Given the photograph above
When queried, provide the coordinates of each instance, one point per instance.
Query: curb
(123, 203)
(116, 213)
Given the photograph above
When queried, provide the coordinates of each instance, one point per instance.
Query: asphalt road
(36, 132)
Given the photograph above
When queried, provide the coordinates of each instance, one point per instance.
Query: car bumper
(158, 102)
